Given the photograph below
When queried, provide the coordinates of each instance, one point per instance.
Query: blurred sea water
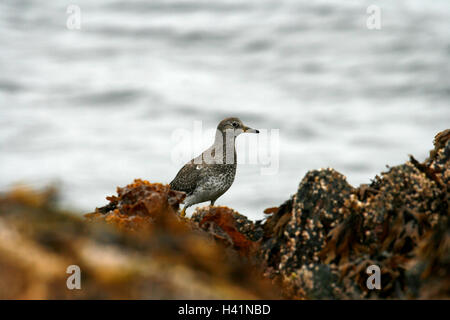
(95, 108)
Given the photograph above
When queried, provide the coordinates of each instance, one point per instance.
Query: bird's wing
(193, 172)
(187, 178)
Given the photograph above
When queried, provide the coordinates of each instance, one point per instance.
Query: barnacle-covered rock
(321, 241)
(431, 266)
(295, 234)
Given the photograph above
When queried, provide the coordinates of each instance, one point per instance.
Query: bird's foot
(183, 212)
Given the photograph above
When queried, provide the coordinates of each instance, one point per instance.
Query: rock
(135, 248)
(230, 228)
(296, 233)
(139, 205)
(319, 243)
(316, 245)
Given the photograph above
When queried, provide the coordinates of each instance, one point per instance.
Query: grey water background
(94, 108)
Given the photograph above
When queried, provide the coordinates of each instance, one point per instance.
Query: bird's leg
(183, 212)
(188, 202)
(212, 203)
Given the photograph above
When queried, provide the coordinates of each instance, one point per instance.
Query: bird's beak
(250, 130)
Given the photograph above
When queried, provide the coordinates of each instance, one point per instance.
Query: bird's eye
(235, 124)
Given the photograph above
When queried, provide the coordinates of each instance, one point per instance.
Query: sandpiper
(211, 174)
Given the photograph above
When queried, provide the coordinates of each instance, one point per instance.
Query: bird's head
(236, 125)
